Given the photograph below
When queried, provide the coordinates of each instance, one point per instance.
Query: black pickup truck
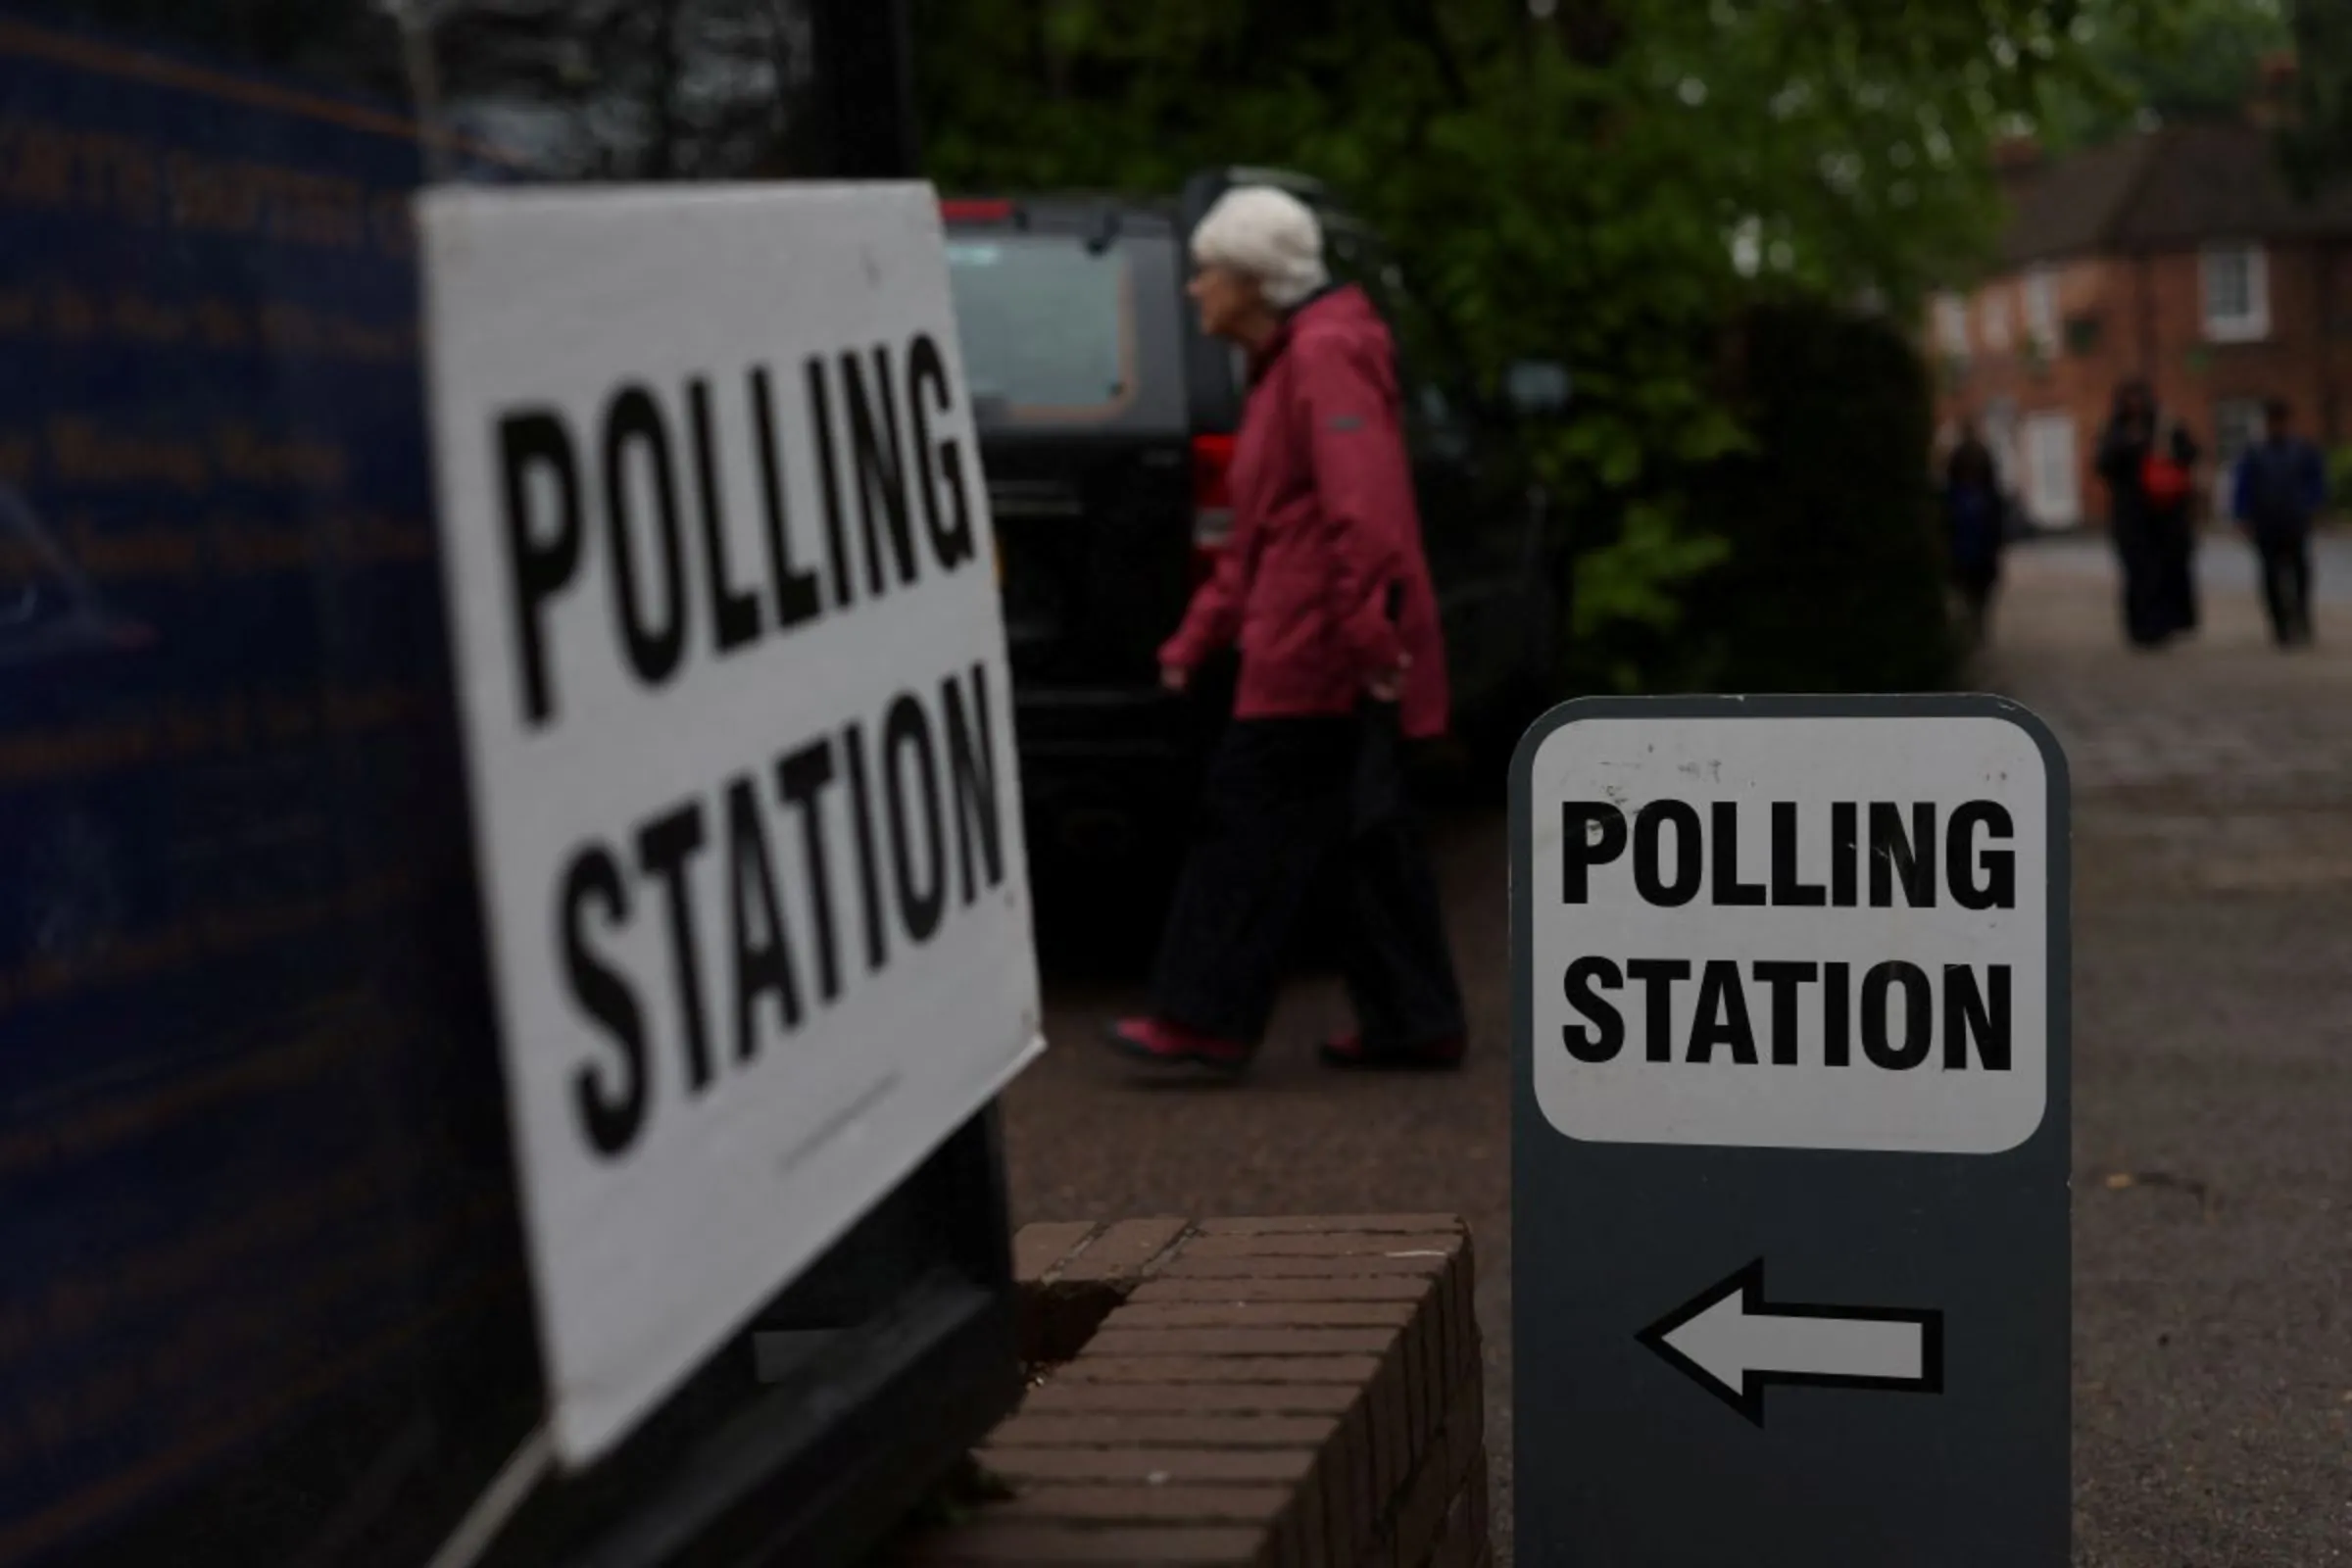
(1107, 419)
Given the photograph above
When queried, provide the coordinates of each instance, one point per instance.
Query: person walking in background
(2149, 465)
(1974, 521)
(2124, 449)
(2277, 494)
(1326, 590)
(2168, 479)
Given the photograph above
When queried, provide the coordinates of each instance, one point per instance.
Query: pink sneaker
(1157, 1042)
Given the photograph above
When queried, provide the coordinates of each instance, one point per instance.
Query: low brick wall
(1297, 1392)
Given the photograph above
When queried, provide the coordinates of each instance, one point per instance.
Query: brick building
(2180, 254)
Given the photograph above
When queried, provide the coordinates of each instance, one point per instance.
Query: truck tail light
(970, 209)
(1212, 502)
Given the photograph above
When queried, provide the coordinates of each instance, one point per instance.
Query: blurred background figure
(2149, 464)
(2277, 493)
(1327, 593)
(1975, 522)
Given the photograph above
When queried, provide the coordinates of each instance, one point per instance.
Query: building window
(1951, 326)
(1997, 321)
(2042, 308)
(2237, 293)
(2053, 482)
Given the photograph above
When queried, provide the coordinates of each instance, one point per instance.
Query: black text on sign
(1806, 933)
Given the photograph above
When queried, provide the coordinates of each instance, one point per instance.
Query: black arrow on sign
(1733, 1343)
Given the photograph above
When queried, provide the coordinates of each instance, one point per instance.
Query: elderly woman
(1326, 591)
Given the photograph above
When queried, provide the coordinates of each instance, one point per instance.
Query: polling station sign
(739, 735)
(1791, 1141)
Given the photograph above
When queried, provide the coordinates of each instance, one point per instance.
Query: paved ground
(2213, 1136)
(2214, 1095)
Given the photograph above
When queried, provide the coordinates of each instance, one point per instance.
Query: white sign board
(1793, 933)
(740, 735)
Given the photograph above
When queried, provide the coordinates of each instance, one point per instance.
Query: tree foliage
(1831, 496)
(630, 89)
(2186, 60)
(2318, 147)
(1607, 186)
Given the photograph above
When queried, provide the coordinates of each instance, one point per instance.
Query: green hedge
(1835, 580)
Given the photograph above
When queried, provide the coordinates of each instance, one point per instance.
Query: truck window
(1047, 326)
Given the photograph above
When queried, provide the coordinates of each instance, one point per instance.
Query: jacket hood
(1342, 319)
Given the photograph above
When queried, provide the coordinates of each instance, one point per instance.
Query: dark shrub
(1835, 578)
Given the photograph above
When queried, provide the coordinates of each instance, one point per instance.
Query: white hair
(1268, 235)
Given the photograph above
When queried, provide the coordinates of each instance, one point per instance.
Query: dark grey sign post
(1790, 1134)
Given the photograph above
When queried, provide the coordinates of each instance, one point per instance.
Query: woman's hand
(1175, 677)
(1385, 688)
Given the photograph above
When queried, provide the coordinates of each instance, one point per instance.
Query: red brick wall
(2150, 311)
(2336, 345)
(1288, 1393)
(2034, 380)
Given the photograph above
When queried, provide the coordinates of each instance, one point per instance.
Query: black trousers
(1976, 581)
(2157, 551)
(2285, 555)
(2135, 555)
(1285, 798)
(2177, 569)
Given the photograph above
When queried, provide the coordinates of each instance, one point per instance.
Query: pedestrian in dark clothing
(2277, 494)
(1325, 588)
(2149, 465)
(2173, 501)
(1974, 517)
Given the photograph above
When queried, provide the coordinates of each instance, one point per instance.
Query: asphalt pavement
(2226, 563)
(2213, 1018)
(2212, 1165)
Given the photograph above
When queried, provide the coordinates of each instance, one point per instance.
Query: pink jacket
(1324, 523)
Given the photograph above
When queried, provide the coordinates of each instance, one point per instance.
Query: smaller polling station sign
(738, 732)
(1791, 1132)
